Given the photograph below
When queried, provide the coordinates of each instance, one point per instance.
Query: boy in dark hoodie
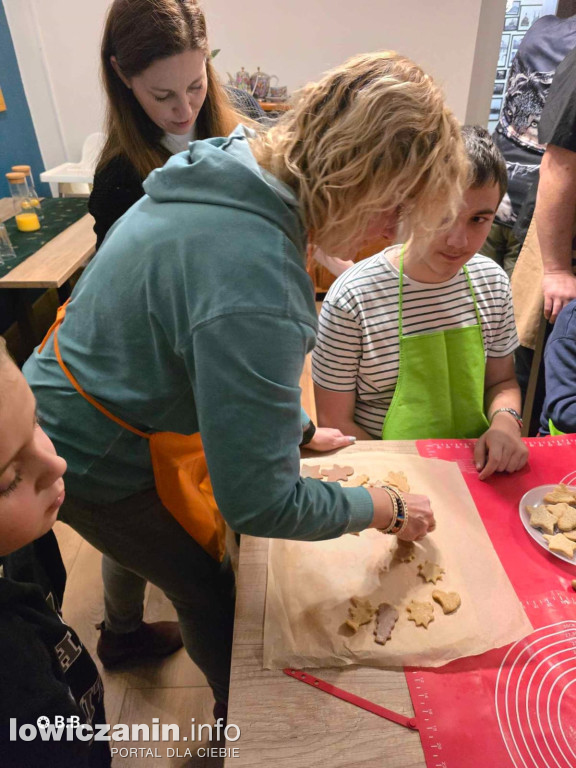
(48, 682)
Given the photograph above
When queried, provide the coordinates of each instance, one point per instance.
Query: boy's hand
(326, 439)
(500, 448)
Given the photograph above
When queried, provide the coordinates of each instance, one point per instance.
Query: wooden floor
(175, 691)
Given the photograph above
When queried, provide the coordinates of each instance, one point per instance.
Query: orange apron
(180, 470)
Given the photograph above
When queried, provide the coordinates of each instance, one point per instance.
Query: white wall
(57, 45)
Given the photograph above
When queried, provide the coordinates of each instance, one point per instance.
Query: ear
(116, 68)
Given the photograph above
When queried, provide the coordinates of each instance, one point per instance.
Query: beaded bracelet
(395, 509)
(402, 517)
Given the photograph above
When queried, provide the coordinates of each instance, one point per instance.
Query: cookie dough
(386, 618)
(398, 480)
(430, 571)
(337, 473)
(356, 482)
(311, 470)
(448, 601)
(360, 612)
(420, 613)
(405, 552)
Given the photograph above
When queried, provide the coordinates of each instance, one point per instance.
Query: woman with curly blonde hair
(198, 313)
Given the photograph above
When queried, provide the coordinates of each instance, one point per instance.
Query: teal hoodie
(196, 315)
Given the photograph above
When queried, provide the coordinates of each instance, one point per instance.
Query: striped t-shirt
(358, 347)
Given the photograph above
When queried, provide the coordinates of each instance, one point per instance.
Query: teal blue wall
(18, 142)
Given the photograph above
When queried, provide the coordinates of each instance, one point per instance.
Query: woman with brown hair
(162, 92)
(198, 313)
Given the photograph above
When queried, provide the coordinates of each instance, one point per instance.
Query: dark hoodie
(44, 668)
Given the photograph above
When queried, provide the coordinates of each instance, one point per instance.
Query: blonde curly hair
(373, 136)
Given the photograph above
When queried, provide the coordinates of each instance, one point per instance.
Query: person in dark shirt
(559, 411)
(542, 49)
(45, 671)
(162, 92)
(544, 281)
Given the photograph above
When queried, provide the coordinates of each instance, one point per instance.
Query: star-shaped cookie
(560, 494)
(420, 613)
(556, 509)
(561, 544)
(430, 571)
(567, 521)
(541, 518)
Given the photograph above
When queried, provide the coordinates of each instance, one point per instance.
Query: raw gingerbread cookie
(405, 552)
(356, 482)
(375, 483)
(361, 612)
(561, 544)
(398, 480)
(386, 618)
(541, 518)
(421, 613)
(560, 494)
(449, 601)
(430, 571)
(337, 473)
(567, 521)
(311, 470)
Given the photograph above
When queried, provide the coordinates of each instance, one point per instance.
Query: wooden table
(287, 724)
(49, 267)
(53, 264)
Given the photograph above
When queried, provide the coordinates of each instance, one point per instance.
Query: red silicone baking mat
(513, 707)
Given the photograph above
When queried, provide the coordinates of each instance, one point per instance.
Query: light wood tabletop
(52, 265)
(287, 724)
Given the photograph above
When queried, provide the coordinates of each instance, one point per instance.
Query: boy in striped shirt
(417, 341)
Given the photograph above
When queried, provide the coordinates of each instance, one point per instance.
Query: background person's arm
(555, 214)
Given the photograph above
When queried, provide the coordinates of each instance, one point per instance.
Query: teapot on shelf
(241, 80)
(260, 83)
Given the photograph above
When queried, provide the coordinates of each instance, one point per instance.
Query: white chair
(77, 176)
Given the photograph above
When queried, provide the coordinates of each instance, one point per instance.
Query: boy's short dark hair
(487, 163)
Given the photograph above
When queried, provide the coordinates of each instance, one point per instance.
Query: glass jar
(7, 254)
(26, 216)
(34, 196)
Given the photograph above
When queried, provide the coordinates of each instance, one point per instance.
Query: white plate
(532, 499)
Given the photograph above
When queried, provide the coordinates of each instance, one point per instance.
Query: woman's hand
(500, 448)
(326, 439)
(420, 516)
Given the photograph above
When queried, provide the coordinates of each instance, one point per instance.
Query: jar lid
(21, 168)
(15, 177)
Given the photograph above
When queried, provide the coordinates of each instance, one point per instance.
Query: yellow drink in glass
(27, 222)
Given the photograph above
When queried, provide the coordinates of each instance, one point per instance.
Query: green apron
(440, 389)
(554, 430)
